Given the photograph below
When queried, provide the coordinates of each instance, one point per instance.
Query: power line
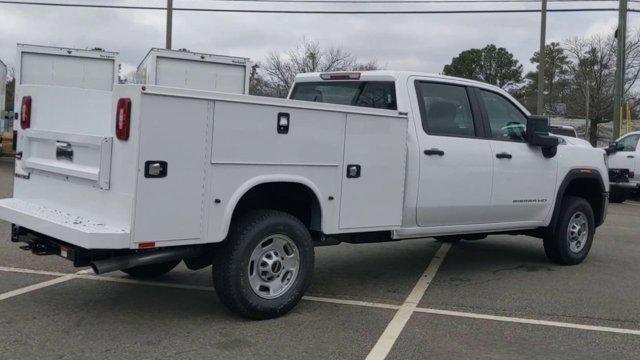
(405, 1)
(325, 12)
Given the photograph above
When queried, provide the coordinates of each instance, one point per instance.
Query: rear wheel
(151, 271)
(570, 241)
(264, 267)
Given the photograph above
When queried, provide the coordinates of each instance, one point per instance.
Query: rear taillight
(25, 112)
(123, 119)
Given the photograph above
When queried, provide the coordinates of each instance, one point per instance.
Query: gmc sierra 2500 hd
(255, 183)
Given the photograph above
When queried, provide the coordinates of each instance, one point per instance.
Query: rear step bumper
(73, 229)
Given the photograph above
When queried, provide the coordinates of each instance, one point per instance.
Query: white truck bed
(221, 146)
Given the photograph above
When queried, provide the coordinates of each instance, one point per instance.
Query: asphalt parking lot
(497, 298)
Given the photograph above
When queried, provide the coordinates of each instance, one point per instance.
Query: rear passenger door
(523, 179)
(455, 160)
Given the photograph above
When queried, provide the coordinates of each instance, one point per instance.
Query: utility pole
(541, 57)
(621, 35)
(169, 23)
(588, 122)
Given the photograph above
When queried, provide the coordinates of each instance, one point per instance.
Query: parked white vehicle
(624, 162)
(197, 71)
(255, 183)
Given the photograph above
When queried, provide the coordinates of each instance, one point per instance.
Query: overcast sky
(402, 42)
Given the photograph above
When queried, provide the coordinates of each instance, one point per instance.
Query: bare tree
(275, 76)
(592, 74)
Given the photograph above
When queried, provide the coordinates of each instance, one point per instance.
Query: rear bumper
(626, 185)
(73, 229)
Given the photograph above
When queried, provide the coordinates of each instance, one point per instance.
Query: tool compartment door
(170, 196)
(373, 197)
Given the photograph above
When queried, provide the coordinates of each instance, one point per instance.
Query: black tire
(618, 195)
(151, 271)
(556, 243)
(232, 261)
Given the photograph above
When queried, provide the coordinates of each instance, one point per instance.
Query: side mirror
(612, 148)
(538, 135)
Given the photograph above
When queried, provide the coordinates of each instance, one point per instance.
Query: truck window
(445, 110)
(562, 131)
(629, 143)
(371, 94)
(506, 121)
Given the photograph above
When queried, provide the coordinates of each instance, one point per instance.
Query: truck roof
(391, 75)
(96, 52)
(394, 75)
(190, 55)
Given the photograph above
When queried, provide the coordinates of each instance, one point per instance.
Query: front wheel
(570, 241)
(264, 267)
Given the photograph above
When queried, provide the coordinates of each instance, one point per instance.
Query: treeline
(579, 74)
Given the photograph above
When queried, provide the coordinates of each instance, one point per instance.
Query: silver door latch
(155, 169)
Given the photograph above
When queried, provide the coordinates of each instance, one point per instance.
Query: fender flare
(260, 180)
(572, 175)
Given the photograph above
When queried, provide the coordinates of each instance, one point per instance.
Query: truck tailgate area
(78, 230)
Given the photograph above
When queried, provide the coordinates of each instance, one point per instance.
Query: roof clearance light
(340, 76)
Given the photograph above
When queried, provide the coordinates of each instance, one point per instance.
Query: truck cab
(461, 132)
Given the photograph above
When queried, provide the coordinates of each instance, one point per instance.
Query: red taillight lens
(25, 112)
(123, 119)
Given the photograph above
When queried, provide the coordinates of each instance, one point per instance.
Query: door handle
(503, 155)
(434, 151)
(630, 156)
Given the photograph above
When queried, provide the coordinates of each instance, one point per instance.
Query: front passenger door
(524, 180)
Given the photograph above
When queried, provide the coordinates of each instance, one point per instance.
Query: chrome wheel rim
(273, 266)
(578, 232)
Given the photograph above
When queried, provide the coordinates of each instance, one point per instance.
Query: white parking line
(29, 271)
(409, 304)
(37, 286)
(394, 328)
(529, 321)
(351, 302)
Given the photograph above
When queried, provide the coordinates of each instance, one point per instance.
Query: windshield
(372, 94)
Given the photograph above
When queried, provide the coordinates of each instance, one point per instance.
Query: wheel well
(591, 190)
(293, 198)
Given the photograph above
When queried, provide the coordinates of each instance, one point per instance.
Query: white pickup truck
(252, 184)
(624, 166)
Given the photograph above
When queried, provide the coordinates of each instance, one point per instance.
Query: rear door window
(445, 109)
(371, 94)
